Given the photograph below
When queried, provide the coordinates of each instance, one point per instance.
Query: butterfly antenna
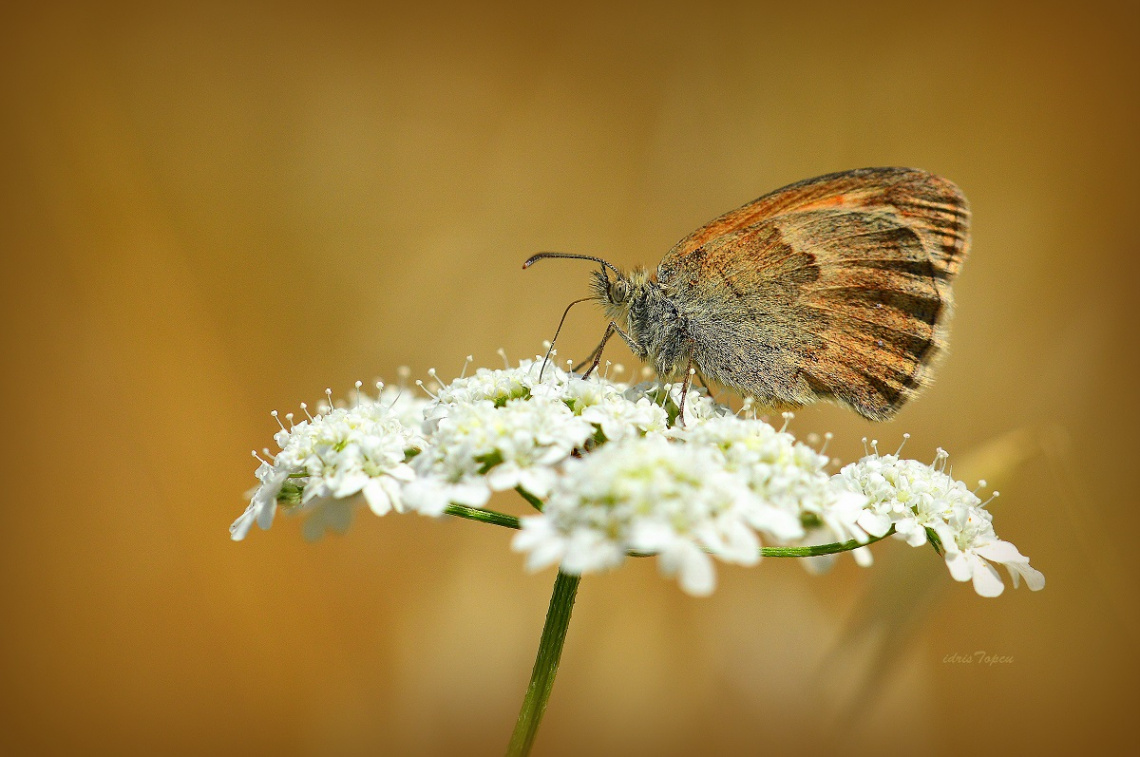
(543, 255)
(557, 331)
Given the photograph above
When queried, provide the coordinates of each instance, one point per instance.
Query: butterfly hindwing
(833, 288)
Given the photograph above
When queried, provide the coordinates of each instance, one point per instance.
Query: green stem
(483, 516)
(821, 549)
(510, 521)
(534, 501)
(545, 664)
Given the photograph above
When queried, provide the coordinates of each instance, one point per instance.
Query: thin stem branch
(545, 664)
(821, 549)
(510, 521)
(534, 501)
(483, 516)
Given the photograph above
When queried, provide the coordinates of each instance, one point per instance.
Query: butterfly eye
(619, 291)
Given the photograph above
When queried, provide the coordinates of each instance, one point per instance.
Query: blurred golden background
(213, 211)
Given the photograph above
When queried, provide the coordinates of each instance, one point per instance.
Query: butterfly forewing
(836, 287)
(934, 207)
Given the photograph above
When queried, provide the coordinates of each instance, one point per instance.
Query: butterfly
(836, 288)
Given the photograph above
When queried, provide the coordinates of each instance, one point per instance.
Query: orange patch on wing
(828, 202)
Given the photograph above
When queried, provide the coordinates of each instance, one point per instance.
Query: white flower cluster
(618, 474)
(656, 495)
(924, 504)
(341, 452)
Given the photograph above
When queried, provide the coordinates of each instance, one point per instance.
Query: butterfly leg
(596, 356)
(589, 358)
(685, 393)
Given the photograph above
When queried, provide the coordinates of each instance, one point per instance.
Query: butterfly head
(612, 287)
(631, 300)
(619, 291)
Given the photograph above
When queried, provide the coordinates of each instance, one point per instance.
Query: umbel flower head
(922, 503)
(613, 470)
(329, 458)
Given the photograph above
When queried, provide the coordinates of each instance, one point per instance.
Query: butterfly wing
(932, 207)
(832, 288)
